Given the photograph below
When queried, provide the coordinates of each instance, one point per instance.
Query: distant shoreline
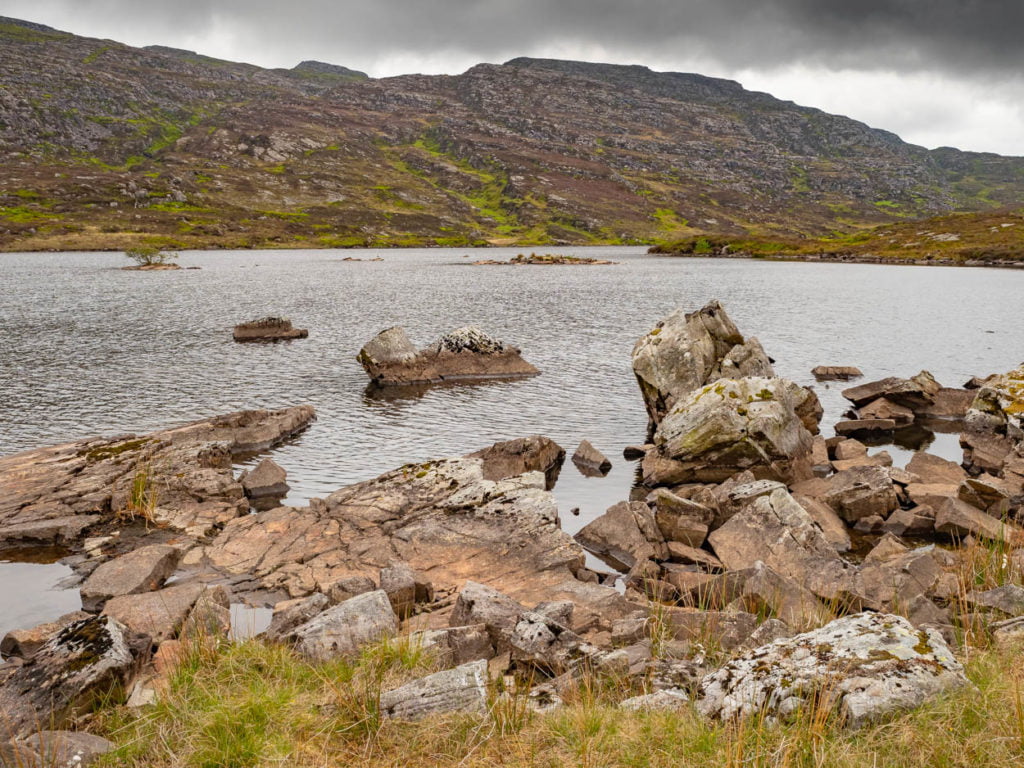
(853, 258)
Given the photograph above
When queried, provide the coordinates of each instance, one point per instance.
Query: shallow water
(89, 349)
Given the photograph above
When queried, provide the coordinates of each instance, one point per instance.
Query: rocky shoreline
(852, 258)
(738, 533)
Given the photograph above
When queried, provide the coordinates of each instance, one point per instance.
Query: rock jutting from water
(390, 359)
(268, 329)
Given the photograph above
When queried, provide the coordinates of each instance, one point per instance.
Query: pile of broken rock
(737, 539)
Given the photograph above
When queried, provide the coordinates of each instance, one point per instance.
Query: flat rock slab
(157, 614)
(268, 329)
(836, 372)
(959, 519)
(864, 426)
(390, 359)
(463, 689)
(142, 570)
(81, 663)
(869, 666)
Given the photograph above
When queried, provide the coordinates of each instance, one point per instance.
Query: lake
(88, 349)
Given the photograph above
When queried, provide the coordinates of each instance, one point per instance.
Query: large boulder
(390, 359)
(865, 667)
(687, 351)
(82, 663)
(998, 406)
(730, 426)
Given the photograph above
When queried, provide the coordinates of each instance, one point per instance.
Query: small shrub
(149, 255)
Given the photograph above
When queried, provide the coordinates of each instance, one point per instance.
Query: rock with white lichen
(390, 359)
(864, 667)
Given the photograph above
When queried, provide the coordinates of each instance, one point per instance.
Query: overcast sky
(937, 72)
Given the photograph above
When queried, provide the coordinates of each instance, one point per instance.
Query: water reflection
(31, 593)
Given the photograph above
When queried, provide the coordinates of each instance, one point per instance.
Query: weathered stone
(681, 553)
(687, 351)
(948, 405)
(870, 665)
(345, 628)
(463, 689)
(957, 519)
(861, 492)
(880, 459)
(931, 495)
(918, 521)
(836, 372)
(778, 531)
(67, 749)
(290, 614)
(480, 604)
(828, 521)
(885, 409)
(821, 465)
(398, 581)
(157, 614)
(892, 580)
(767, 632)
(723, 629)
(730, 426)
(466, 353)
(210, 617)
(267, 480)
(935, 470)
(1008, 633)
(77, 666)
(1008, 599)
(268, 329)
(908, 393)
(625, 534)
(849, 448)
(736, 496)
(141, 570)
(667, 700)
(998, 406)
(864, 426)
(23, 643)
(349, 586)
(587, 457)
(762, 590)
(986, 452)
(511, 458)
(456, 645)
(681, 519)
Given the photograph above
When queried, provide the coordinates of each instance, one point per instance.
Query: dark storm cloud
(961, 36)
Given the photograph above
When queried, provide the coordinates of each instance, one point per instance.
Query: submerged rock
(268, 329)
(591, 461)
(390, 359)
(687, 351)
(836, 372)
(865, 667)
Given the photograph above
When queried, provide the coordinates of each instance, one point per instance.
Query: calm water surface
(88, 349)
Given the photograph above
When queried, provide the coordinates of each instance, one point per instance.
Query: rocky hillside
(103, 145)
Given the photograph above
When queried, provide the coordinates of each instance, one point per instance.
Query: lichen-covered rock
(463, 689)
(730, 426)
(866, 667)
(390, 359)
(998, 406)
(687, 351)
(80, 664)
(23, 643)
(346, 627)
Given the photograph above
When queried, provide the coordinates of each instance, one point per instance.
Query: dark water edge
(89, 349)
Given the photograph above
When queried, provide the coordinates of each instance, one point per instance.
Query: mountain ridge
(105, 144)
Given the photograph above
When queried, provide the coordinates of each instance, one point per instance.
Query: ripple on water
(90, 349)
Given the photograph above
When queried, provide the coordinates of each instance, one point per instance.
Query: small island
(542, 259)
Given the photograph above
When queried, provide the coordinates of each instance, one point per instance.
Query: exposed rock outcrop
(687, 351)
(390, 359)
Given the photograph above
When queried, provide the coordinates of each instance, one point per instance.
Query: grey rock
(290, 614)
(463, 689)
(660, 701)
(687, 351)
(67, 749)
(345, 628)
(861, 492)
(480, 604)
(873, 665)
(456, 645)
(23, 643)
(1008, 599)
(267, 480)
